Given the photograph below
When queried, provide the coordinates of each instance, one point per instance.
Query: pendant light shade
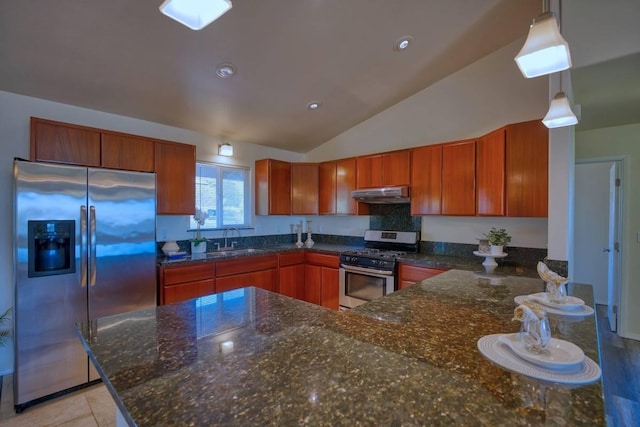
(195, 14)
(545, 50)
(560, 113)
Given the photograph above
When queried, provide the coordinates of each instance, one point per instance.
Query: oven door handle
(366, 270)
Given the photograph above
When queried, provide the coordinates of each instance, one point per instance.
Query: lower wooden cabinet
(322, 279)
(291, 274)
(260, 271)
(409, 274)
(185, 281)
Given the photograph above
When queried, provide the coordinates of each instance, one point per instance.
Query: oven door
(359, 285)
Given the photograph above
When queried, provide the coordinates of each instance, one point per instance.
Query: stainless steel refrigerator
(84, 248)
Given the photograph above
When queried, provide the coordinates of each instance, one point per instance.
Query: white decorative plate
(583, 311)
(571, 303)
(560, 354)
(490, 346)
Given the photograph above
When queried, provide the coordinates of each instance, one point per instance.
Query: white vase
(200, 249)
(169, 247)
(496, 249)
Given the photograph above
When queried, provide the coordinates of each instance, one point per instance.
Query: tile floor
(93, 407)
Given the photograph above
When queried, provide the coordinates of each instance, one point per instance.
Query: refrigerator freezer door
(122, 255)
(49, 356)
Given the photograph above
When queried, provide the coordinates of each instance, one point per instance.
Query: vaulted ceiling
(125, 57)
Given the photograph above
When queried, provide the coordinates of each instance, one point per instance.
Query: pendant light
(560, 113)
(545, 51)
(195, 14)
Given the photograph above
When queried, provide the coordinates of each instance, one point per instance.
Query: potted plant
(199, 243)
(498, 239)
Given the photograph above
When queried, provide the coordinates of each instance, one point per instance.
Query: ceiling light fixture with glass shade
(225, 149)
(195, 14)
(560, 113)
(545, 51)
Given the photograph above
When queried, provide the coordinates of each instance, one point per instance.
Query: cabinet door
(313, 284)
(369, 171)
(426, 180)
(346, 176)
(327, 196)
(304, 188)
(127, 152)
(273, 187)
(409, 275)
(188, 290)
(396, 168)
(64, 143)
(490, 173)
(527, 169)
(330, 289)
(459, 178)
(264, 279)
(175, 166)
(292, 281)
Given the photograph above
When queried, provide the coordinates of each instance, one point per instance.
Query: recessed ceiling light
(225, 70)
(313, 105)
(402, 43)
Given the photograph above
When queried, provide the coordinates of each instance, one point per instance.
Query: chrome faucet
(226, 231)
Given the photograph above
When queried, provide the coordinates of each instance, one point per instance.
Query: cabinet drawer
(246, 265)
(185, 291)
(265, 279)
(410, 274)
(324, 260)
(188, 273)
(291, 258)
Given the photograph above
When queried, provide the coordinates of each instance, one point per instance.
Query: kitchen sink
(234, 252)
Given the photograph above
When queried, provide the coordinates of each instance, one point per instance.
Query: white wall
(622, 141)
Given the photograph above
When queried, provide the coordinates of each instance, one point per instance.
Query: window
(223, 193)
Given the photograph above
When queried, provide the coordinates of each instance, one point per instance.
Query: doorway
(597, 225)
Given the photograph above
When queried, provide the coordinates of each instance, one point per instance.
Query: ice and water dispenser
(51, 247)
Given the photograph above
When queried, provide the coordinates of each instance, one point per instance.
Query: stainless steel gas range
(370, 273)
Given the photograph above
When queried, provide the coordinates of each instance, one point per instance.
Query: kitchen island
(252, 357)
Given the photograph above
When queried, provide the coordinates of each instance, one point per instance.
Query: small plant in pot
(498, 239)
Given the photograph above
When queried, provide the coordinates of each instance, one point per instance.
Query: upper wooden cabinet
(527, 169)
(273, 187)
(337, 181)
(513, 168)
(304, 188)
(382, 170)
(426, 180)
(119, 151)
(175, 166)
(64, 143)
(459, 178)
(490, 173)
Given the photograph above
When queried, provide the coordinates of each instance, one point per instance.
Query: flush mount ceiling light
(225, 70)
(313, 105)
(225, 149)
(195, 14)
(402, 43)
(560, 113)
(545, 51)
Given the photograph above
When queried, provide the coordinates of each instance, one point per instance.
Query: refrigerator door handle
(83, 246)
(92, 242)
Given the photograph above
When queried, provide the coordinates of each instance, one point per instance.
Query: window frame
(220, 169)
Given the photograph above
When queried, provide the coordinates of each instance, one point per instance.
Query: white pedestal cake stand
(489, 262)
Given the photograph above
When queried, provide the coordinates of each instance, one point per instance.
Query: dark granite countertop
(252, 357)
(436, 261)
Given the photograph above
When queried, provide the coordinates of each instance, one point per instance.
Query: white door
(613, 247)
(591, 228)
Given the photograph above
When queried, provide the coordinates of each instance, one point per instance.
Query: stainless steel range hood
(382, 195)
